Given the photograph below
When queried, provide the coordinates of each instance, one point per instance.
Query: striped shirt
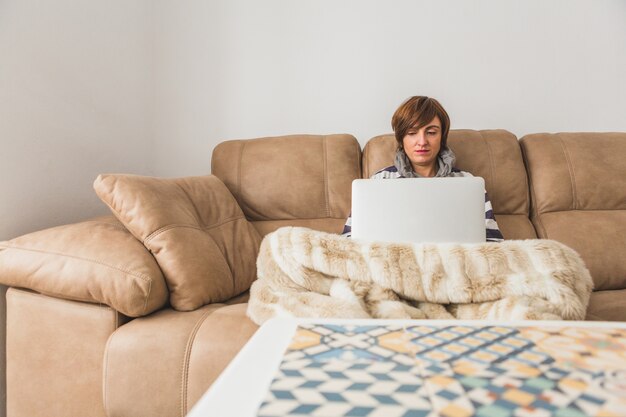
(492, 231)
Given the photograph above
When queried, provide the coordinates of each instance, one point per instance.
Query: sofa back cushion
(578, 188)
(492, 154)
(298, 180)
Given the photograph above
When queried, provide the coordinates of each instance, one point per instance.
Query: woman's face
(422, 145)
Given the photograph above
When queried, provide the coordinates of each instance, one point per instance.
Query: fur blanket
(306, 273)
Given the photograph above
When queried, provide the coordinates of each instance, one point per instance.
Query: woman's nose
(421, 138)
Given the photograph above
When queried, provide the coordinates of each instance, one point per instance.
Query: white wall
(229, 69)
(76, 99)
(76, 88)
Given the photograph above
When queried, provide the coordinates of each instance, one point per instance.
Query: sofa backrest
(492, 154)
(578, 191)
(297, 180)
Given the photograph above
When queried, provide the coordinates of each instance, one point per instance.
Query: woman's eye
(432, 133)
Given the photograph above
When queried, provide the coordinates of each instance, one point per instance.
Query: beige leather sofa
(83, 342)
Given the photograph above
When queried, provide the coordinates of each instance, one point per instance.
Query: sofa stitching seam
(243, 144)
(134, 274)
(364, 166)
(193, 204)
(115, 225)
(145, 304)
(359, 157)
(65, 297)
(325, 153)
(526, 180)
(185, 366)
(533, 209)
(104, 376)
(570, 168)
(44, 297)
(106, 362)
(491, 169)
(190, 226)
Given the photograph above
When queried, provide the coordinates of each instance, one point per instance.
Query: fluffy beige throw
(307, 273)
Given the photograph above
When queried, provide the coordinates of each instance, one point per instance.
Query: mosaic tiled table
(439, 368)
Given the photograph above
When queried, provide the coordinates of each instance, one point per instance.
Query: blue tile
(332, 396)
(416, 413)
(359, 386)
(359, 411)
(408, 388)
(384, 399)
(542, 405)
(283, 395)
(592, 399)
(305, 409)
(311, 384)
(447, 394)
(507, 405)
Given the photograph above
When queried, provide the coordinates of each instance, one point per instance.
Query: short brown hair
(417, 112)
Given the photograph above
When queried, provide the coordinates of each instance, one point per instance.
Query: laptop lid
(419, 210)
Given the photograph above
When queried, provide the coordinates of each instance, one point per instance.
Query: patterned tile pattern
(453, 371)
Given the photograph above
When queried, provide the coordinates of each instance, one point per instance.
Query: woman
(421, 128)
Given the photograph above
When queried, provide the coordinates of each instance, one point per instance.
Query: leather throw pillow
(195, 229)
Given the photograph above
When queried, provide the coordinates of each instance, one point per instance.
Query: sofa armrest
(96, 261)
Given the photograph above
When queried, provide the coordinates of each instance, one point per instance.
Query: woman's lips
(421, 151)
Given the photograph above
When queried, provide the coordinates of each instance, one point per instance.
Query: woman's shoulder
(388, 172)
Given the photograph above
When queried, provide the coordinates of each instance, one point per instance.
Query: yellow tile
(572, 383)
(396, 341)
(472, 342)
(527, 370)
(437, 355)
(607, 413)
(500, 349)
(518, 397)
(456, 348)
(515, 342)
(501, 330)
(484, 356)
(431, 341)
(441, 380)
(465, 369)
(462, 330)
(453, 410)
(305, 338)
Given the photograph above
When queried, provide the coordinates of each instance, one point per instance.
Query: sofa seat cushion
(324, 225)
(194, 228)
(599, 236)
(607, 306)
(516, 226)
(96, 261)
(162, 364)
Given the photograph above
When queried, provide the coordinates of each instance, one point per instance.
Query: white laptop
(419, 210)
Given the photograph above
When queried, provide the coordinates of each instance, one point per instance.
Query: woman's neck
(425, 171)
